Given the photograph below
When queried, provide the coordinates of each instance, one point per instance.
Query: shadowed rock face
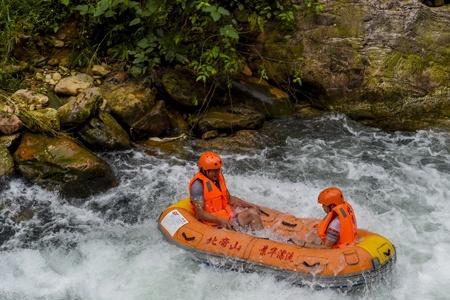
(384, 62)
(435, 2)
(60, 163)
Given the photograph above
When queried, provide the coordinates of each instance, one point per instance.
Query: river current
(109, 246)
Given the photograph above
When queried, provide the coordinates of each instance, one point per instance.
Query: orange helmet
(209, 161)
(331, 195)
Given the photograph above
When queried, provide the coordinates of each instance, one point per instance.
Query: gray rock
(105, 133)
(78, 109)
(73, 85)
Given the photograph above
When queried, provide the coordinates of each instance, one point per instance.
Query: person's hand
(226, 224)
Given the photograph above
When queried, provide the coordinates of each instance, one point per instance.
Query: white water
(110, 247)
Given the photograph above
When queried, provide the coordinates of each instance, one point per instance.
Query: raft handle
(387, 253)
(311, 266)
(288, 224)
(263, 212)
(188, 238)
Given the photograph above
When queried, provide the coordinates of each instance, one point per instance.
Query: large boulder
(105, 133)
(129, 101)
(156, 122)
(241, 141)
(73, 85)
(267, 99)
(182, 87)
(384, 62)
(78, 109)
(60, 162)
(6, 162)
(229, 119)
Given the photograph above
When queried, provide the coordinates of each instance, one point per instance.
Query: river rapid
(109, 246)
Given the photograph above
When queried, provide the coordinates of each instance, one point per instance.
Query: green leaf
(135, 21)
(65, 2)
(83, 9)
(229, 32)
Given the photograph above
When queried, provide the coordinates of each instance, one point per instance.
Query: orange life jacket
(347, 233)
(215, 200)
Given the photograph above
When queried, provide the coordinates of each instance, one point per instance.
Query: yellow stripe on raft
(378, 246)
(184, 204)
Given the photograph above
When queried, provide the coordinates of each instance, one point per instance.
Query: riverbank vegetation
(205, 36)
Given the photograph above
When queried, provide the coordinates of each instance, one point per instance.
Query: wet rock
(26, 98)
(61, 163)
(154, 123)
(6, 162)
(25, 214)
(306, 111)
(178, 123)
(243, 140)
(100, 70)
(369, 59)
(210, 135)
(267, 99)
(9, 141)
(53, 61)
(182, 87)
(168, 146)
(129, 101)
(105, 133)
(73, 85)
(78, 109)
(229, 119)
(42, 120)
(9, 123)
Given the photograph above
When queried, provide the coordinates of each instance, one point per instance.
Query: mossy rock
(105, 133)
(61, 163)
(6, 162)
(78, 109)
(182, 87)
(42, 120)
(129, 101)
(229, 119)
(260, 95)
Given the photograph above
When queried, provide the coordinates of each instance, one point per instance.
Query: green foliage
(202, 35)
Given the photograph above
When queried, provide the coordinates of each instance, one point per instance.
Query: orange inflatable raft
(368, 261)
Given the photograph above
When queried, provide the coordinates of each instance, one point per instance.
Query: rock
(168, 146)
(73, 85)
(25, 214)
(14, 68)
(53, 61)
(9, 141)
(56, 76)
(178, 123)
(182, 87)
(39, 76)
(267, 99)
(26, 98)
(243, 140)
(210, 135)
(61, 163)
(306, 111)
(6, 162)
(382, 62)
(78, 109)
(129, 101)
(57, 43)
(155, 123)
(42, 120)
(105, 133)
(9, 123)
(229, 119)
(101, 70)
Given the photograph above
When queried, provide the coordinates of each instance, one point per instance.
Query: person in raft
(338, 228)
(212, 202)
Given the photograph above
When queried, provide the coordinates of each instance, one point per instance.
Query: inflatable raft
(371, 258)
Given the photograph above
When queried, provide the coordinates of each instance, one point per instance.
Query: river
(109, 246)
